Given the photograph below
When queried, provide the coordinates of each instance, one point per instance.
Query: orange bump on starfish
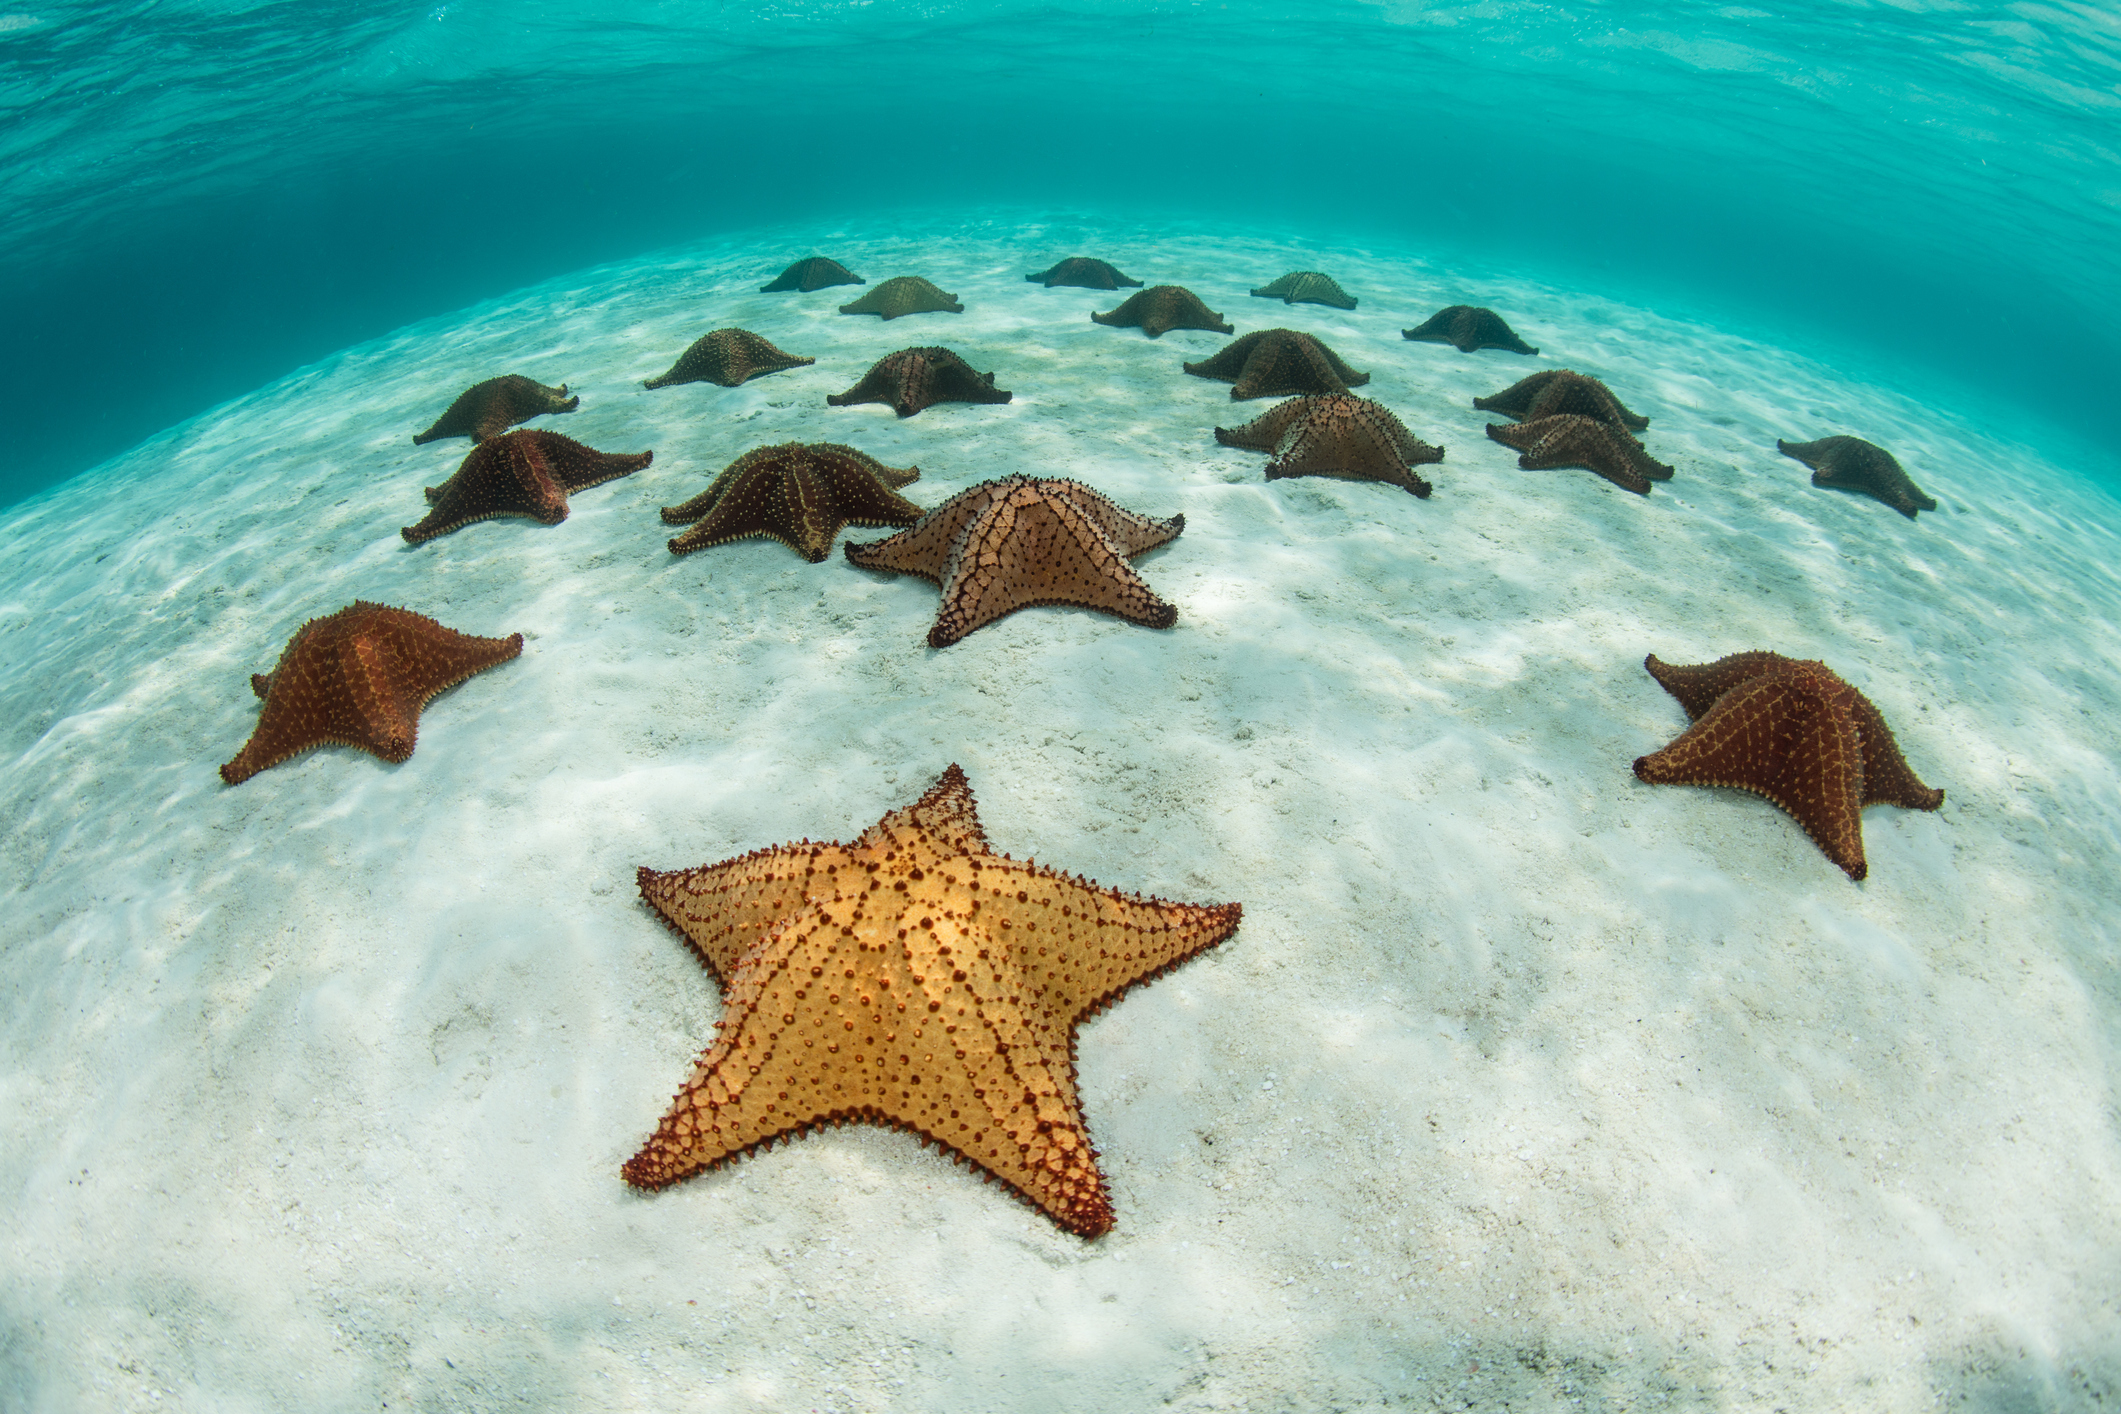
(490, 408)
(914, 980)
(1794, 732)
(359, 678)
(528, 473)
(1020, 542)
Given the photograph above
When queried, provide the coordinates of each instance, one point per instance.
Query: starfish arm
(946, 818)
(686, 512)
(1887, 778)
(574, 467)
(1264, 432)
(1697, 686)
(724, 910)
(1133, 534)
(925, 547)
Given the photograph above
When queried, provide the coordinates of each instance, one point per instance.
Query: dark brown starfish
(1274, 363)
(1793, 731)
(912, 379)
(1083, 272)
(1571, 439)
(1306, 287)
(1561, 390)
(812, 273)
(1852, 464)
(801, 495)
(527, 473)
(902, 295)
(1336, 434)
(1468, 327)
(729, 357)
(1161, 308)
(490, 408)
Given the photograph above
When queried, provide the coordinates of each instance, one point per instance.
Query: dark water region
(200, 199)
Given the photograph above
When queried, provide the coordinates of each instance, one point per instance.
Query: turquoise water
(196, 198)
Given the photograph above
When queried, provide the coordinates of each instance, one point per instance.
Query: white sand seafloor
(1523, 1083)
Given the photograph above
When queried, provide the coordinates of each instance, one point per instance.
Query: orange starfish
(359, 678)
(1794, 732)
(916, 980)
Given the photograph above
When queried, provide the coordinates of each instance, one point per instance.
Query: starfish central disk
(1792, 731)
(359, 678)
(915, 980)
(1020, 542)
(800, 494)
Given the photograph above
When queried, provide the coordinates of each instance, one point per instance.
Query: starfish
(359, 678)
(1081, 271)
(904, 294)
(1308, 287)
(912, 379)
(1561, 390)
(1336, 434)
(1791, 730)
(1018, 542)
(490, 408)
(1570, 439)
(813, 272)
(729, 357)
(527, 473)
(915, 980)
(799, 495)
(1273, 363)
(1468, 327)
(1852, 464)
(1161, 308)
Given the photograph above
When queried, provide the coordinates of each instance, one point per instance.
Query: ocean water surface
(1522, 1085)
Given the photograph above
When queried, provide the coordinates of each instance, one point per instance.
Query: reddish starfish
(799, 495)
(1792, 731)
(490, 408)
(913, 980)
(1018, 542)
(1571, 439)
(912, 379)
(359, 678)
(520, 474)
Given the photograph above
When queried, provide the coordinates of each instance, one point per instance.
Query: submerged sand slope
(1522, 1080)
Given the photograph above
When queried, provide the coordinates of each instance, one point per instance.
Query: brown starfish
(812, 273)
(359, 678)
(490, 408)
(1794, 732)
(1468, 327)
(915, 980)
(902, 295)
(801, 495)
(1556, 390)
(1161, 308)
(1083, 272)
(912, 379)
(1336, 434)
(1570, 439)
(1274, 363)
(1852, 464)
(1018, 542)
(528, 473)
(1307, 287)
(729, 357)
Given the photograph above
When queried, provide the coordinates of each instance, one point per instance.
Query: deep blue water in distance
(197, 197)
